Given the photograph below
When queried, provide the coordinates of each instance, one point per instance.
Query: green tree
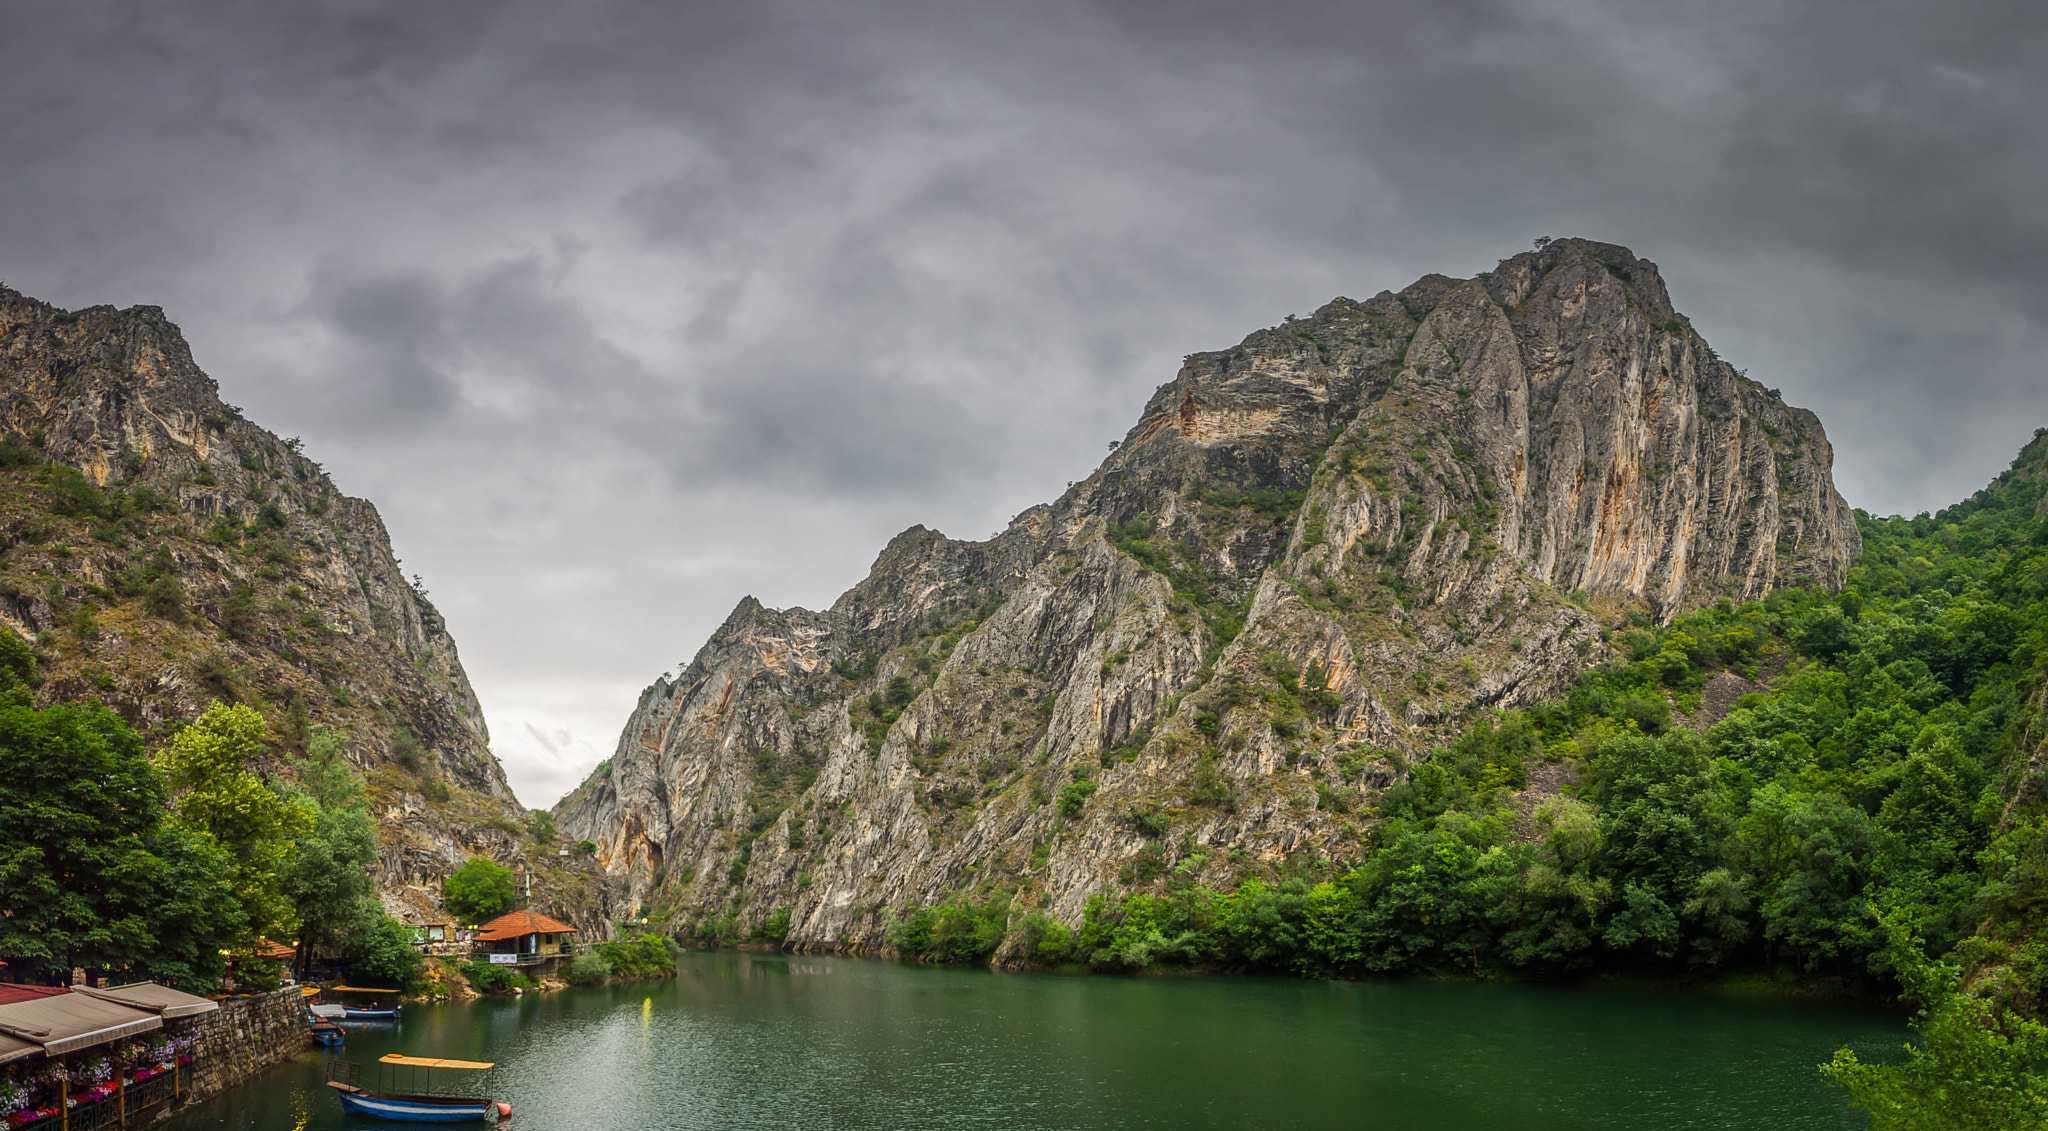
(328, 880)
(589, 970)
(77, 804)
(207, 765)
(479, 891)
(192, 909)
(90, 874)
(1829, 857)
(238, 613)
(1938, 786)
(1655, 800)
(1976, 1067)
(485, 978)
(382, 954)
(1719, 915)
(1261, 925)
(17, 669)
(166, 598)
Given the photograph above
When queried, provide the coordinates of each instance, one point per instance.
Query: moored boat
(413, 1109)
(321, 1017)
(381, 1007)
(420, 1101)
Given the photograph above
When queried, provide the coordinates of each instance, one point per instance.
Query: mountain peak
(1391, 513)
(167, 553)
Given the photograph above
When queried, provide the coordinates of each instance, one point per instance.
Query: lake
(747, 1040)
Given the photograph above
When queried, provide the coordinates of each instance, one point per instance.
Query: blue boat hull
(353, 1014)
(331, 1040)
(411, 1109)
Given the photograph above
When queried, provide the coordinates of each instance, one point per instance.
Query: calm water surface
(743, 1041)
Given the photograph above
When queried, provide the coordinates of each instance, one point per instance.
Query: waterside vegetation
(1880, 757)
(1861, 780)
(174, 868)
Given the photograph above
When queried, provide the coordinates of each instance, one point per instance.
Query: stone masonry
(244, 1037)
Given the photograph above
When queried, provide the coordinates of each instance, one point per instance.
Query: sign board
(504, 960)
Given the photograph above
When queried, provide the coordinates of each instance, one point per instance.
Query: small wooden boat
(321, 1018)
(371, 1010)
(420, 1101)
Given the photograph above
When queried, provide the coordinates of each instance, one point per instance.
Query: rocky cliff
(1315, 554)
(164, 553)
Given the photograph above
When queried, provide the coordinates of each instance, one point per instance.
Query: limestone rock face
(1314, 555)
(198, 557)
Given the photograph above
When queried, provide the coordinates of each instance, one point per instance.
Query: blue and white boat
(370, 1010)
(326, 1032)
(413, 1109)
(420, 1102)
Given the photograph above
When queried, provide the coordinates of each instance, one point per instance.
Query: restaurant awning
(164, 1001)
(14, 1049)
(11, 1048)
(72, 1021)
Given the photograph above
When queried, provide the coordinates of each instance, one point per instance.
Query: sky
(623, 311)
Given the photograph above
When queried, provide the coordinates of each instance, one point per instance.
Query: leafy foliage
(328, 881)
(165, 868)
(1074, 795)
(382, 954)
(90, 872)
(960, 930)
(589, 970)
(642, 955)
(207, 766)
(479, 891)
(1976, 1067)
(486, 978)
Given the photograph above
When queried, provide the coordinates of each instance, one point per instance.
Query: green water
(743, 1041)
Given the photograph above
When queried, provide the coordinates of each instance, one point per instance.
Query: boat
(326, 1032)
(368, 1011)
(420, 1101)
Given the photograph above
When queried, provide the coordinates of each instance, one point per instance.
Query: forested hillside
(225, 711)
(1744, 791)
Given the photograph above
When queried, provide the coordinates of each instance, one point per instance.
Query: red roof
(11, 992)
(264, 948)
(517, 923)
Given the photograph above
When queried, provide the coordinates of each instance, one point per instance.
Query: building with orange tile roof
(523, 938)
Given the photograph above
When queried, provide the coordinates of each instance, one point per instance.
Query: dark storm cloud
(395, 334)
(622, 310)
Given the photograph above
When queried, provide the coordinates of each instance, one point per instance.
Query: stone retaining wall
(244, 1037)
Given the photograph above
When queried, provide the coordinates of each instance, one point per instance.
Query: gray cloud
(622, 310)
